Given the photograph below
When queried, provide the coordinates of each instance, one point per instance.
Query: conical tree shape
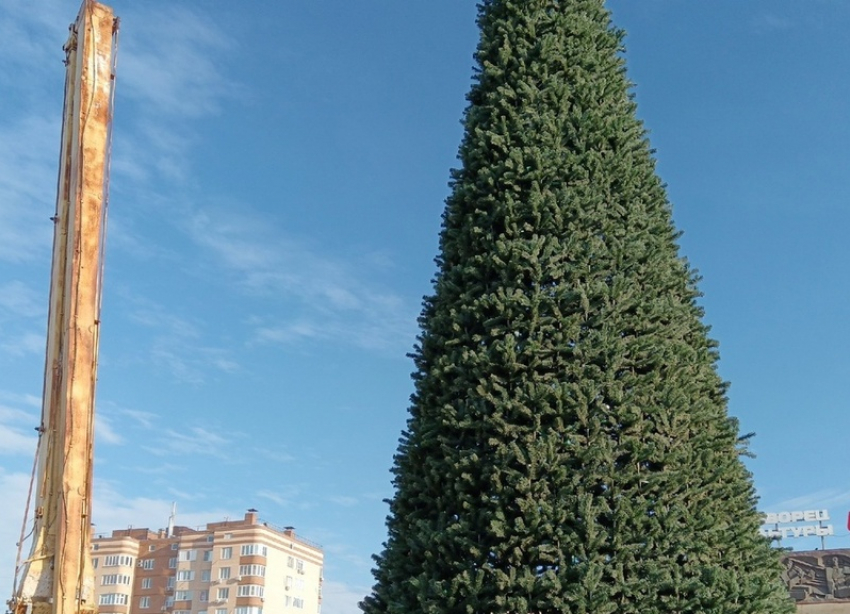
(568, 448)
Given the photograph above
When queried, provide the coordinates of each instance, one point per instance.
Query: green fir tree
(568, 448)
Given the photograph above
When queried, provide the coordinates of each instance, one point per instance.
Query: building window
(222, 593)
(248, 610)
(183, 596)
(118, 560)
(297, 602)
(175, 546)
(221, 611)
(113, 599)
(111, 579)
(228, 536)
(145, 602)
(169, 601)
(288, 601)
(224, 573)
(288, 582)
(170, 583)
(204, 596)
(252, 570)
(250, 590)
(227, 553)
(147, 582)
(299, 565)
(151, 548)
(254, 549)
(188, 555)
(290, 561)
(94, 563)
(185, 575)
(205, 575)
(182, 612)
(172, 562)
(207, 555)
(147, 564)
(210, 538)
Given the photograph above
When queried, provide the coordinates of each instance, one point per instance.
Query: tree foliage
(568, 447)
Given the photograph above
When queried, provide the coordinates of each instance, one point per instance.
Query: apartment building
(231, 567)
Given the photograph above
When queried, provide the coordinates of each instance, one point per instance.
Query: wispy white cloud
(176, 364)
(171, 62)
(27, 186)
(105, 431)
(29, 129)
(190, 364)
(291, 495)
(801, 17)
(288, 333)
(114, 425)
(176, 346)
(772, 22)
(20, 299)
(143, 419)
(182, 495)
(14, 440)
(113, 509)
(343, 501)
(829, 498)
(218, 359)
(32, 34)
(155, 316)
(170, 73)
(339, 552)
(193, 440)
(17, 430)
(335, 300)
(16, 398)
(278, 456)
(124, 236)
(23, 344)
(274, 497)
(168, 469)
(13, 414)
(341, 598)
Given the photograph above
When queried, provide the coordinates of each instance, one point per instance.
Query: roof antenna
(169, 532)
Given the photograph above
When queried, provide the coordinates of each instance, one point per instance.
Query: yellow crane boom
(57, 577)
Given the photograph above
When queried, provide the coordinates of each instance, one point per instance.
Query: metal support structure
(57, 577)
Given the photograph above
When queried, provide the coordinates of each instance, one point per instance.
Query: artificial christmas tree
(569, 448)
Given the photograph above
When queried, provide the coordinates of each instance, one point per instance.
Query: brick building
(230, 567)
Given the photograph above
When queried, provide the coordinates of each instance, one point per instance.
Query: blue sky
(279, 171)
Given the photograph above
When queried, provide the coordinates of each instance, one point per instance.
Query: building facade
(230, 567)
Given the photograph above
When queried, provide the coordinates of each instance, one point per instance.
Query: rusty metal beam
(58, 578)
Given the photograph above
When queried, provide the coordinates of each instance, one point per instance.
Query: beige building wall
(823, 608)
(230, 567)
(114, 564)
